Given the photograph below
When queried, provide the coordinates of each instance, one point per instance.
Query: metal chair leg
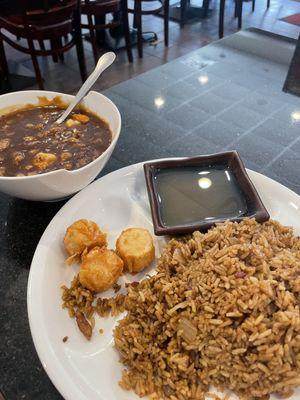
(124, 10)
(236, 8)
(183, 7)
(35, 64)
(61, 55)
(3, 60)
(81, 60)
(240, 13)
(79, 46)
(42, 45)
(139, 27)
(221, 18)
(135, 21)
(205, 7)
(166, 21)
(54, 55)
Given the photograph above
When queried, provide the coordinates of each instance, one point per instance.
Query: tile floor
(65, 76)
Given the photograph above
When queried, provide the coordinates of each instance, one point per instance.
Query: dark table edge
(273, 35)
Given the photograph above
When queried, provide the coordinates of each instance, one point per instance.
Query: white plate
(83, 370)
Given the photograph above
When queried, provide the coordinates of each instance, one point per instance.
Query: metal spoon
(104, 62)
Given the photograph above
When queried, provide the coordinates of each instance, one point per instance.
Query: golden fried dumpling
(83, 235)
(100, 269)
(135, 247)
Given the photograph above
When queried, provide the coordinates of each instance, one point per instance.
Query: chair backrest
(50, 19)
(99, 8)
(49, 12)
(43, 4)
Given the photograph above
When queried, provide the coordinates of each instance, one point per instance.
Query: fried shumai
(82, 236)
(135, 247)
(100, 269)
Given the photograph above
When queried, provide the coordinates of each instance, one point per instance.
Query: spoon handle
(104, 62)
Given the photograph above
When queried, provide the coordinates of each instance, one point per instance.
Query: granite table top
(225, 96)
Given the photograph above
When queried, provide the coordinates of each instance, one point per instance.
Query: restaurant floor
(65, 76)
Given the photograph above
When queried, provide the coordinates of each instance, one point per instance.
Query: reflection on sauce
(192, 194)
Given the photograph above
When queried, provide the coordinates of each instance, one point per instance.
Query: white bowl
(61, 183)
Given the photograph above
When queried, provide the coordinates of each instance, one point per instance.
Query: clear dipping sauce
(191, 194)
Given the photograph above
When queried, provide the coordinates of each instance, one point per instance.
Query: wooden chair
(52, 20)
(100, 8)
(238, 14)
(139, 12)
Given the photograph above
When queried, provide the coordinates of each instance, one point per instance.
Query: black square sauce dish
(195, 193)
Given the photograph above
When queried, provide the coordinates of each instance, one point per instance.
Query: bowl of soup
(44, 161)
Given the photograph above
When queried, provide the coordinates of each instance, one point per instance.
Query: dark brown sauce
(30, 142)
(187, 195)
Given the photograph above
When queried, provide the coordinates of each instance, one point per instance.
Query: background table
(224, 96)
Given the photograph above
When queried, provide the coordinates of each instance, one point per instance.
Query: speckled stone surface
(224, 96)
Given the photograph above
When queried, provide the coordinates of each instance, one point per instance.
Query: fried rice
(221, 311)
